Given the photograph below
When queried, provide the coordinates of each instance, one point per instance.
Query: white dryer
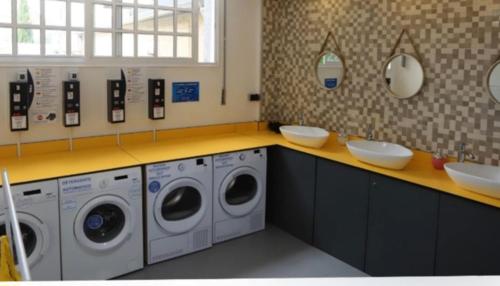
(239, 194)
(37, 208)
(101, 225)
(178, 208)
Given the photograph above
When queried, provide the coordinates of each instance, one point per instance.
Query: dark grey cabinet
(402, 229)
(341, 211)
(291, 188)
(469, 238)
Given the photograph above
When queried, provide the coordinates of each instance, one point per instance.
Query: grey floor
(268, 254)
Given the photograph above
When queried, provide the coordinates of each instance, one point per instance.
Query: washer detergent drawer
(174, 246)
(236, 227)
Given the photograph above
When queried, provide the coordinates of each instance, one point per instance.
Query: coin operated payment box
(156, 99)
(71, 103)
(116, 101)
(19, 106)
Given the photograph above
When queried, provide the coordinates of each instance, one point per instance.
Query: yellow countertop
(62, 164)
(94, 155)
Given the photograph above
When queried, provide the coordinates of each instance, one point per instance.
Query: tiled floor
(268, 254)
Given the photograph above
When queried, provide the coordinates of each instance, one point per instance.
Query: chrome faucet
(301, 119)
(369, 133)
(464, 154)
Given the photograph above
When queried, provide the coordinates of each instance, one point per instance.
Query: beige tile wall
(458, 39)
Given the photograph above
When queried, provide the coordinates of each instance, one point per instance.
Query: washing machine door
(181, 205)
(104, 223)
(35, 235)
(241, 191)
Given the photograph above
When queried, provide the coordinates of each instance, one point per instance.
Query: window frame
(89, 60)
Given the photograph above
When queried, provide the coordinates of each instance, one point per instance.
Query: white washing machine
(239, 194)
(178, 208)
(37, 208)
(101, 225)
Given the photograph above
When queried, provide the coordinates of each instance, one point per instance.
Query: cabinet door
(341, 212)
(291, 177)
(469, 238)
(402, 227)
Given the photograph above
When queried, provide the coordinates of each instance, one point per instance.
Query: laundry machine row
(99, 226)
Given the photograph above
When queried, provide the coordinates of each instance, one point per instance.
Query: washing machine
(37, 207)
(101, 224)
(178, 208)
(239, 194)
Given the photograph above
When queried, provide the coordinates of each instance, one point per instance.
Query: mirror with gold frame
(330, 70)
(403, 75)
(493, 82)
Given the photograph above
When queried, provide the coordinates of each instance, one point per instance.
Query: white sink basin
(305, 136)
(386, 155)
(476, 178)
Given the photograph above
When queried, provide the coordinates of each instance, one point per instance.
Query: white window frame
(89, 60)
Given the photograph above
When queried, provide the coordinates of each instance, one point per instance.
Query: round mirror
(493, 82)
(403, 75)
(330, 70)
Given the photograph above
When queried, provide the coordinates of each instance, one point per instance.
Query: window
(164, 31)
(42, 28)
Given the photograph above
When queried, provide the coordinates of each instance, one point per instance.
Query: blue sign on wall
(331, 82)
(185, 91)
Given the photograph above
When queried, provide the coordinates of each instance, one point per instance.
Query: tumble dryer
(239, 194)
(101, 224)
(37, 208)
(178, 208)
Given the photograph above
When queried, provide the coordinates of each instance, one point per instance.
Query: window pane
(6, 42)
(166, 21)
(28, 41)
(184, 22)
(102, 16)
(103, 44)
(184, 47)
(55, 43)
(28, 12)
(166, 3)
(184, 4)
(6, 12)
(128, 45)
(127, 18)
(55, 13)
(77, 43)
(77, 14)
(206, 32)
(166, 46)
(145, 2)
(146, 45)
(146, 19)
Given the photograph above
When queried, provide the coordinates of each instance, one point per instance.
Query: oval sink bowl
(476, 178)
(305, 136)
(381, 154)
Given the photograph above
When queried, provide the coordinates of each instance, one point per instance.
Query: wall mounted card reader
(156, 103)
(19, 105)
(117, 90)
(71, 103)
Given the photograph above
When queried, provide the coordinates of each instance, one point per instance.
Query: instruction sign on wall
(185, 91)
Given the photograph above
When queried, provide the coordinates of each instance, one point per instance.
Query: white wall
(243, 70)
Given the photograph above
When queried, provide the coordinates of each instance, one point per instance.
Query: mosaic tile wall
(458, 40)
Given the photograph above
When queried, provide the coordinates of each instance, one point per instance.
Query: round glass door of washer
(104, 223)
(241, 191)
(181, 205)
(35, 235)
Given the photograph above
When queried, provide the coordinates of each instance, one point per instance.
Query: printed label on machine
(158, 112)
(118, 115)
(72, 118)
(19, 122)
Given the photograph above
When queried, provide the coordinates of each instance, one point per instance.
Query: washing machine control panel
(181, 167)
